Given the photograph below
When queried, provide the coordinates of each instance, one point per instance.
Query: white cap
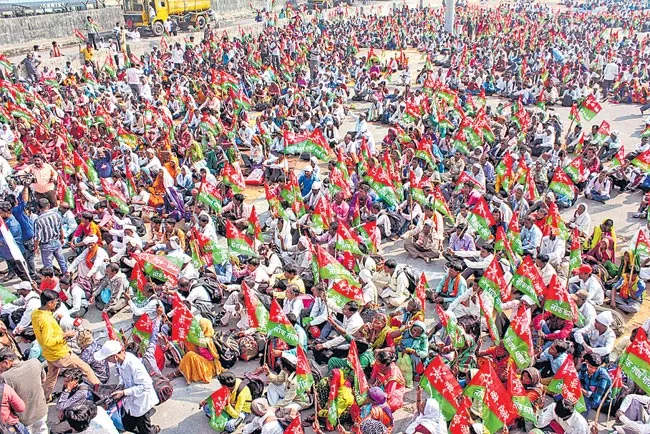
(110, 348)
(23, 285)
(605, 318)
(91, 239)
(316, 185)
(309, 169)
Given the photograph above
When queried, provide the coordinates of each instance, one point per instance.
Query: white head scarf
(431, 419)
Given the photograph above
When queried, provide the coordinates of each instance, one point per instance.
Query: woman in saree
(531, 379)
(370, 337)
(334, 388)
(378, 409)
(628, 289)
(387, 376)
(411, 341)
(408, 314)
(604, 230)
(459, 347)
(429, 418)
(602, 253)
(201, 361)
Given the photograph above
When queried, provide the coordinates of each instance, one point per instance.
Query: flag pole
(602, 401)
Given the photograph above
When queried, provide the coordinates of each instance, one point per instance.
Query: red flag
(109, 327)
(295, 427)
(421, 291)
(182, 319)
(360, 380)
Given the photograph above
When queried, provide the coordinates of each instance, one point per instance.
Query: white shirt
(555, 249)
(611, 71)
(593, 287)
(139, 394)
(133, 76)
(576, 424)
(600, 344)
(32, 302)
(351, 325)
(98, 268)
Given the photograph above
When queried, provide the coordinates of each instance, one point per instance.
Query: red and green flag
(238, 242)
(635, 361)
(258, 316)
(423, 152)
(274, 203)
(209, 195)
(589, 108)
(480, 219)
(493, 283)
(215, 404)
(498, 409)
(502, 244)
(381, 183)
(343, 292)
(441, 384)
(558, 302)
(575, 254)
(576, 170)
(339, 182)
(562, 184)
(518, 339)
(233, 177)
(617, 381)
(450, 325)
(642, 161)
(87, 166)
(513, 234)
(210, 252)
(329, 268)
(369, 236)
(519, 397)
(159, 267)
(486, 304)
(280, 327)
(347, 240)
(115, 195)
(304, 376)
(360, 381)
(322, 214)
(143, 328)
(130, 181)
(566, 383)
(602, 134)
(642, 245)
(504, 172)
(645, 132)
(528, 281)
(619, 157)
(417, 188)
(440, 204)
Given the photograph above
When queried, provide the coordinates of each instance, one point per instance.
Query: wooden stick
(602, 402)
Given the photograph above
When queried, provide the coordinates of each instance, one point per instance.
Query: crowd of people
(133, 183)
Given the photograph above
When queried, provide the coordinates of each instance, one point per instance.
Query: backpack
(211, 286)
(162, 386)
(410, 275)
(255, 386)
(228, 349)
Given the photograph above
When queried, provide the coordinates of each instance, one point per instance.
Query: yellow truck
(152, 14)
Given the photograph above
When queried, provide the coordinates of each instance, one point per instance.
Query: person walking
(26, 379)
(138, 394)
(53, 343)
(49, 236)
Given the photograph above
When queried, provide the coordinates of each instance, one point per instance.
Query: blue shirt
(16, 232)
(596, 385)
(305, 184)
(26, 224)
(103, 166)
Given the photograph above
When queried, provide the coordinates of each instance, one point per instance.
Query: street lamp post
(450, 6)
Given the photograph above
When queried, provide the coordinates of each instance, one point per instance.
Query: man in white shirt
(634, 414)
(28, 300)
(563, 414)
(138, 394)
(554, 247)
(397, 290)
(598, 338)
(585, 281)
(133, 75)
(338, 345)
(610, 74)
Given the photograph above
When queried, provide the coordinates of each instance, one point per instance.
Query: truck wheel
(157, 28)
(201, 22)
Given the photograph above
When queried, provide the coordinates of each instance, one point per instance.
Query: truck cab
(152, 14)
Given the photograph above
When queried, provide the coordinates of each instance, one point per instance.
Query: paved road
(181, 415)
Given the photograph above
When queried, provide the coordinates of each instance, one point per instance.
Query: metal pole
(450, 6)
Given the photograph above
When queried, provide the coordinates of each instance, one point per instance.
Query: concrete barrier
(43, 28)
(232, 9)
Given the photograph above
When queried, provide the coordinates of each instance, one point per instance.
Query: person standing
(15, 266)
(53, 343)
(138, 394)
(45, 178)
(26, 379)
(610, 74)
(92, 29)
(18, 206)
(49, 236)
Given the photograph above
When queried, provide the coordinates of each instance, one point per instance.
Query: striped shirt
(47, 227)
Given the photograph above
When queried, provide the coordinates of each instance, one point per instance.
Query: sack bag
(405, 365)
(255, 386)
(211, 286)
(228, 349)
(4, 427)
(248, 349)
